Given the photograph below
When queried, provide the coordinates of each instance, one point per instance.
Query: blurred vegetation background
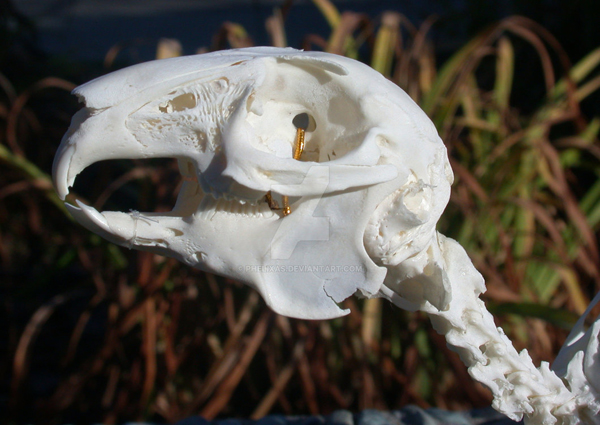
(94, 332)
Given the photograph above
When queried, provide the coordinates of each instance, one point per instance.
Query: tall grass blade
(385, 43)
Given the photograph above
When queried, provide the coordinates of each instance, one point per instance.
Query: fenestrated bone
(366, 195)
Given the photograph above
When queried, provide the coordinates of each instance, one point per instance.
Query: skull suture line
(365, 194)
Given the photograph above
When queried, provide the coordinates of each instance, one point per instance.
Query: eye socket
(305, 121)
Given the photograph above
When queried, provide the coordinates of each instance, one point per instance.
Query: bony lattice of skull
(230, 120)
(362, 177)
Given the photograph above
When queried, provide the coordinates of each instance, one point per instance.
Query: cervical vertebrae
(365, 196)
(519, 388)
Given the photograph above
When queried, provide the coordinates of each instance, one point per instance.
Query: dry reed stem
(223, 365)
(276, 29)
(286, 373)
(150, 326)
(225, 390)
(27, 340)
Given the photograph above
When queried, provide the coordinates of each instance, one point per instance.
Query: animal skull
(365, 196)
(229, 120)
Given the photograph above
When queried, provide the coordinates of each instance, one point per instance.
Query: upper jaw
(235, 171)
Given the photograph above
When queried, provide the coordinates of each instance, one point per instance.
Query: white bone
(365, 197)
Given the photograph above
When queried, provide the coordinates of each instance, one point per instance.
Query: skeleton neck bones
(363, 190)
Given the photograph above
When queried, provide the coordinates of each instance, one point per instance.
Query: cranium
(365, 196)
(229, 120)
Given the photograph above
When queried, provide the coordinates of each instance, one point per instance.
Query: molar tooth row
(210, 206)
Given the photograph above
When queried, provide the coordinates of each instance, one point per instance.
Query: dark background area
(45, 36)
